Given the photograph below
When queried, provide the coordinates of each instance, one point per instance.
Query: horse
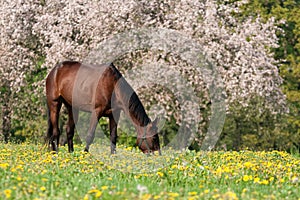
(102, 91)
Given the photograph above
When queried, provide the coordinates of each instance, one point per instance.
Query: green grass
(31, 172)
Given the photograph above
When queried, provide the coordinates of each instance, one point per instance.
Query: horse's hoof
(113, 152)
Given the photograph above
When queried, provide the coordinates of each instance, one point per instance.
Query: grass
(31, 172)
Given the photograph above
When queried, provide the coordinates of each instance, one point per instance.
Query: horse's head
(148, 140)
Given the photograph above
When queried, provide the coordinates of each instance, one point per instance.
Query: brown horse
(101, 90)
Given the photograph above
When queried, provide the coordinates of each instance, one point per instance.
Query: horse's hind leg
(50, 129)
(73, 118)
(54, 108)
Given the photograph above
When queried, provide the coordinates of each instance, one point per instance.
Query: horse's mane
(131, 101)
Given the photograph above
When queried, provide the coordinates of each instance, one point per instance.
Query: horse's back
(82, 85)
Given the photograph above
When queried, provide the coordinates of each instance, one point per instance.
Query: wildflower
(160, 174)
(248, 164)
(104, 187)
(128, 148)
(86, 197)
(206, 191)
(256, 180)
(4, 165)
(146, 196)
(192, 193)
(7, 193)
(247, 178)
(173, 166)
(97, 192)
(137, 176)
(264, 182)
(173, 194)
(43, 188)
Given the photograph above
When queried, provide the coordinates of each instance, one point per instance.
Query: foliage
(253, 129)
(29, 172)
(287, 18)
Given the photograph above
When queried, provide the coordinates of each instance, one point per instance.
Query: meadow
(32, 172)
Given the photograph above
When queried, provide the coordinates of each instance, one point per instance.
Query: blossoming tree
(35, 32)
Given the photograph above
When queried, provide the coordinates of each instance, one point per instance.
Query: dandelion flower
(7, 193)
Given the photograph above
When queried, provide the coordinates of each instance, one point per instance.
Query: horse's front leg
(113, 125)
(91, 132)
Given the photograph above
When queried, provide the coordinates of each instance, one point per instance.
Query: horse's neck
(132, 105)
(137, 113)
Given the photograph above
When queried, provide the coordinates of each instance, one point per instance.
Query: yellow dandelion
(216, 196)
(264, 182)
(173, 194)
(192, 193)
(104, 187)
(19, 178)
(137, 176)
(248, 164)
(247, 178)
(43, 188)
(173, 166)
(86, 197)
(128, 148)
(98, 194)
(7, 193)
(160, 174)
(256, 180)
(146, 196)
(281, 180)
(4, 165)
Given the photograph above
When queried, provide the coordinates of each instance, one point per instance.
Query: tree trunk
(238, 134)
(6, 122)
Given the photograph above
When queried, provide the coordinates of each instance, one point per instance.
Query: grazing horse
(102, 91)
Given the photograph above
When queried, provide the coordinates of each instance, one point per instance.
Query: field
(31, 172)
